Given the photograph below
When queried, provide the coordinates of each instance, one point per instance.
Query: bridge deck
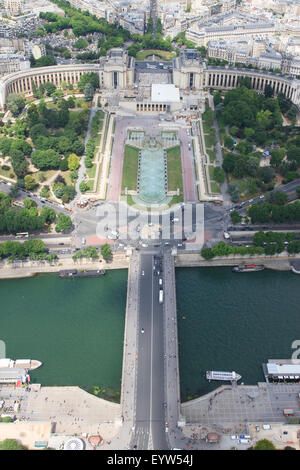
(150, 397)
(171, 343)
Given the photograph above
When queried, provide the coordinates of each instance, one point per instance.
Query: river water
(234, 322)
(226, 321)
(74, 326)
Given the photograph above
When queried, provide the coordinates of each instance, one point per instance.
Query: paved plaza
(146, 79)
(73, 411)
(230, 408)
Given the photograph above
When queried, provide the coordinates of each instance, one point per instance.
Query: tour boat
(27, 364)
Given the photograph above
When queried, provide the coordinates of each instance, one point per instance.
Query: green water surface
(234, 322)
(74, 326)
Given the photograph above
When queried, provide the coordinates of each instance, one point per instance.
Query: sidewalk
(172, 383)
(31, 268)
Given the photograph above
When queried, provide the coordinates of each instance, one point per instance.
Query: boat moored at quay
(223, 376)
(74, 273)
(247, 268)
(26, 364)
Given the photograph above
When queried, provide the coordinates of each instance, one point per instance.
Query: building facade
(13, 63)
(117, 72)
(201, 37)
(191, 73)
(94, 7)
(14, 7)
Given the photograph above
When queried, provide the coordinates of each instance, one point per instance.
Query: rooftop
(167, 93)
(283, 369)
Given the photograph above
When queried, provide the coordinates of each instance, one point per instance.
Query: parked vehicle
(244, 441)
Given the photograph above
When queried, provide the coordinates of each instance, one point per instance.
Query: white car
(143, 273)
(261, 197)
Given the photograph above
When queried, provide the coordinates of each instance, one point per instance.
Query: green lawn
(90, 184)
(105, 134)
(47, 174)
(215, 188)
(211, 171)
(91, 172)
(174, 169)
(130, 168)
(243, 184)
(164, 55)
(210, 140)
(206, 127)
(176, 200)
(7, 173)
(222, 133)
(97, 142)
(67, 176)
(212, 155)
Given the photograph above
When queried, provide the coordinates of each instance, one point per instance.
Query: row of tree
(265, 243)
(265, 212)
(81, 23)
(256, 120)
(92, 252)
(30, 218)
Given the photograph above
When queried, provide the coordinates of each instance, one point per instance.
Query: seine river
(234, 321)
(226, 321)
(74, 326)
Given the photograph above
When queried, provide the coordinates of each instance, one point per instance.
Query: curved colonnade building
(117, 71)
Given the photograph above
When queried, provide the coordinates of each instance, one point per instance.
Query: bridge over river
(152, 416)
(150, 396)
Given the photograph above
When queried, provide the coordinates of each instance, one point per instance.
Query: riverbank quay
(54, 414)
(23, 269)
(281, 262)
(229, 409)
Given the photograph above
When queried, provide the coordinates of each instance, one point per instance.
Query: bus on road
(22, 235)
